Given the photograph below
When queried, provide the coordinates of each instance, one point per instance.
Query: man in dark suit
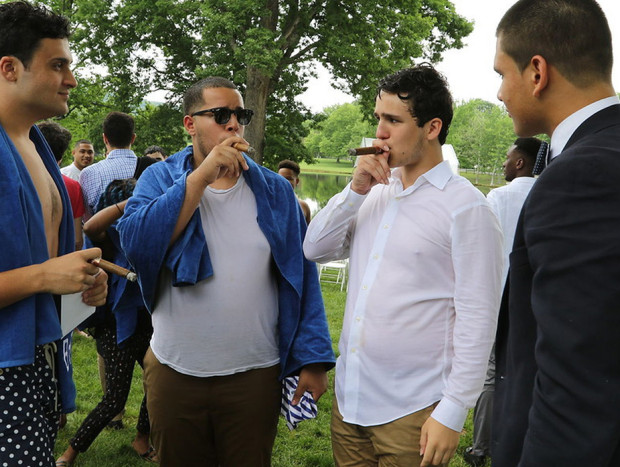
(558, 343)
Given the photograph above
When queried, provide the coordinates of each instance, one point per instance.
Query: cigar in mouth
(364, 151)
(249, 150)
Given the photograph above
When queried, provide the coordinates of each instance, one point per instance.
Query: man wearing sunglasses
(238, 306)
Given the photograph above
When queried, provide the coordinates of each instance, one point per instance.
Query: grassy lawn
(307, 446)
(484, 182)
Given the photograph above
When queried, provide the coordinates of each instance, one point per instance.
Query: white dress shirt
(71, 171)
(423, 297)
(506, 202)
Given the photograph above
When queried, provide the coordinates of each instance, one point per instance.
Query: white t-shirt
(226, 323)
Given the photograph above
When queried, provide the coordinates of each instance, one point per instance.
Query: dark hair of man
(118, 127)
(24, 25)
(152, 149)
(115, 192)
(288, 164)
(81, 141)
(192, 99)
(57, 137)
(427, 92)
(528, 148)
(572, 35)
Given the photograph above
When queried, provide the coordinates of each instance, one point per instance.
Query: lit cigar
(249, 150)
(115, 269)
(364, 151)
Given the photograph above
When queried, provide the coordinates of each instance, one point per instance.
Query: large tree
(267, 47)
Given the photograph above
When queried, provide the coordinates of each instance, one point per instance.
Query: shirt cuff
(450, 414)
(350, 200)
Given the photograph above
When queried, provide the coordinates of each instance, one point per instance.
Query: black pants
(119, 365)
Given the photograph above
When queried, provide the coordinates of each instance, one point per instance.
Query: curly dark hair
(427, 92)
(24, 25)
(115, 192)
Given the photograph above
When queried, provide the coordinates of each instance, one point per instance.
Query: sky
(469, 70)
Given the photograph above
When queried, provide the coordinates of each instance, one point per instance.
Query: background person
(83, 156)
(290, 170)
(506, 202)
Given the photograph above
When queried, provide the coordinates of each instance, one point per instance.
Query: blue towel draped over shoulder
(148, 223)
(33, 320)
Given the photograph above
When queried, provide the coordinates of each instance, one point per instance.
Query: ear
(188, 123)
(539, 74)
(520, 163)
(133, 138)
(433, 128)
(8, 67)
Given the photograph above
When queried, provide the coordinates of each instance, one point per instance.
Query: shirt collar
(567, 127)
(121, 153)
(438, 176)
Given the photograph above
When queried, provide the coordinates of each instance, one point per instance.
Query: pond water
(317, 189)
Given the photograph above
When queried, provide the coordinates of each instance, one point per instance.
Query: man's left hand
(438, 443)
(312, 378)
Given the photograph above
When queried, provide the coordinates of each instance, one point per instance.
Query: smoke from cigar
(249, 150)
(364, 151)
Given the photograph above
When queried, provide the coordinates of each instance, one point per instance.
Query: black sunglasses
(222, 115)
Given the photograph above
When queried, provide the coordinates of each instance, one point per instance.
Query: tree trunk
(256, 94)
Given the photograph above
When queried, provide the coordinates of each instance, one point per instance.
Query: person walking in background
(83, 156)
(506, 202)
(558, 340)
(120, 163)
(122, 335)
(238, 306)
(37, 261)
(425, 254)
(290, 170)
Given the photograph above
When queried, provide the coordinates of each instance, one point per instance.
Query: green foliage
(481, 133)
(342, 128)
(132, 47)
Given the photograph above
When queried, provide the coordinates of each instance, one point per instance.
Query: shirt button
(386, 226)
(375, 256)
(364, 287)
(353, 350)
(357, 318)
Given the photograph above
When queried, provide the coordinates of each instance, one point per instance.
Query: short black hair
(289, 164)
(152, 149)
(572, 35)
(24, 25)
(118, 127)
(58, 138)
(81, 141)
(193, 96)
(528, 148)
(427, 92)
(115, 192)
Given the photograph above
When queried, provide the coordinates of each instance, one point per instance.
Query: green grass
(306, 446)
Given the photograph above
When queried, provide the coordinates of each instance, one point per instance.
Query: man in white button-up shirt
(425, 255)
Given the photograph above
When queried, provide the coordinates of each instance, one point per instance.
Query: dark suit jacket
(557, 398)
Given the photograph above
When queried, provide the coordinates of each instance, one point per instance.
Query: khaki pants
(221, 420)
(394, 444)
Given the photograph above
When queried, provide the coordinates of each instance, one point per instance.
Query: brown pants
(394, 444)
(216, 421)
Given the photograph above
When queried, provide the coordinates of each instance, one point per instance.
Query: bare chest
(49, 196)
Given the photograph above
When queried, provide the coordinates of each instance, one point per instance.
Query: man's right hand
(371, 169)
(71, 273)
(223, 161)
